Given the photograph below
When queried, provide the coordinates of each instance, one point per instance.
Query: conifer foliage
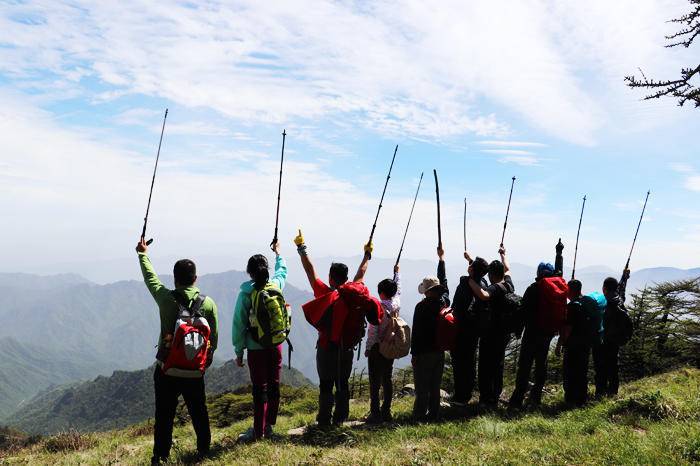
(684, 88)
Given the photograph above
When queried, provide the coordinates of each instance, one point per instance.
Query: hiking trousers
(492, 352)
(265, 367)
(533, 349)
(576, 373)
(167, 391)
(427, 378)
(464, 365)
(605, 361)
(334, 366)
(380, 370)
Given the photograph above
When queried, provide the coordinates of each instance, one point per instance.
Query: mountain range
(67, 328)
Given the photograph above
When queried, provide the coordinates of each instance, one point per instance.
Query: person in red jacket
(338, 313)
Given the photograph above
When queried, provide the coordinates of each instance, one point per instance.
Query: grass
(653, 421)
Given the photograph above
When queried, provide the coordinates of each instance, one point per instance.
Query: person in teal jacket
(265, 364)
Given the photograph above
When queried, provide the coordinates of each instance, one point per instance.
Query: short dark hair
(185, 272)
(388, 288)
(575, 286)
(338, 272)
(258, 270)
(480, 267)
(497, 269)
(611, 284)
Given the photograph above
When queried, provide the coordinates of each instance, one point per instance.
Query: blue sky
(481, 91)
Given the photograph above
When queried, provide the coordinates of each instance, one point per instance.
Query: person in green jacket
(189, 384)
(265, 363)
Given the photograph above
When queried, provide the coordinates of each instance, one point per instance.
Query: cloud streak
(418, 70)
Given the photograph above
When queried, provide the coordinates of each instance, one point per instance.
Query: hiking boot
(387, 417)
(247, 437)
(156, 461)
(373, 418)
(269, 432)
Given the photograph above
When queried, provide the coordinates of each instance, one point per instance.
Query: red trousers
(265, 367)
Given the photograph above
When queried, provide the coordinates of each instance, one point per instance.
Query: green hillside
(117, 401)
(26, 368)
(72, 330)
(654, 421)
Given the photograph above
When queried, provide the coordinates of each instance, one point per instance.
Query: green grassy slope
(653, 421)
(119, 400)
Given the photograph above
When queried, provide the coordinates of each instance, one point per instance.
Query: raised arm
(280, 276)
(150, 277)
(502, 253)
(442, 276)
(622, 286)
(362, 269)
(305, 261)
(478, 291)
(397, 279)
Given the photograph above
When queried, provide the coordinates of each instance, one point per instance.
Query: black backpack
(507, 311)
(623, 326)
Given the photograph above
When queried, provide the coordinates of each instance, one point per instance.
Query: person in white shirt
(380, 368)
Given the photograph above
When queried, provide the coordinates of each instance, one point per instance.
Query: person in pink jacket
(381, 368)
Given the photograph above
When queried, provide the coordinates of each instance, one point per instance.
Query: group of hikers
(482, 317)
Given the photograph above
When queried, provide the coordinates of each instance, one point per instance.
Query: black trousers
(464, 365)
(168, 390)
(427, 377)
(605, 361)
(576, 358)
(534, 349)
(380, 370)
(334, 367)
(492, 352)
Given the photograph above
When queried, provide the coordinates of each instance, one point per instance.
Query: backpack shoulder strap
(197, 304)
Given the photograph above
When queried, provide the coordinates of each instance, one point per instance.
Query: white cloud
(524, 160)
(508, 151)
(511, 144)
(691, 179)
(419, 70)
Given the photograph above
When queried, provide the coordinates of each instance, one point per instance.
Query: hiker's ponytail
(258, 270)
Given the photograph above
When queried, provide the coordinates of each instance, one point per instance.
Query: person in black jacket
(428, 362)
(464, 355)
(494, 338)
(576, 340)
(534, 347)
(605, 356)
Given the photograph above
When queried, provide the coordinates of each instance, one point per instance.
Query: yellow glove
(299, 239)
(369, 248)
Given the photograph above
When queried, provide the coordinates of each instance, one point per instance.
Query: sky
(480, 91)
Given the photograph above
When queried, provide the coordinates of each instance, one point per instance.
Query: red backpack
(190, 344)
(551, 306)
(446, 330)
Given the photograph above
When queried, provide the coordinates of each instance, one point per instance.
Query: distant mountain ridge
(122, 399)
(69, 328)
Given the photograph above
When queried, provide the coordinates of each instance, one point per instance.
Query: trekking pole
(627, 265)
(279, 191)
(465, 224)
(578, 232)
(388, 176)
(153, 180)
(398, 259)
(437, 196)
(510, 196)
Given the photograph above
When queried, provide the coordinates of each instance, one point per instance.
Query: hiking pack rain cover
(190, 344)
(350, 305)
